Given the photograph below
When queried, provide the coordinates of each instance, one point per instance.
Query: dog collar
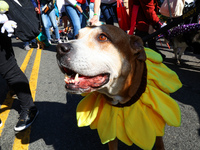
(139, 92)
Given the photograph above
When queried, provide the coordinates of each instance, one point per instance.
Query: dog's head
(103, 59)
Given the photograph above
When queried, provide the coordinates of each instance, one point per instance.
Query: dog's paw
(178, 62)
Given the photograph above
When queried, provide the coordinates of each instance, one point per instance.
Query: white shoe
(49, 41)
(27, 48)
(59, 41)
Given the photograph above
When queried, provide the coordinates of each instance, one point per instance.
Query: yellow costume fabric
(141, 122)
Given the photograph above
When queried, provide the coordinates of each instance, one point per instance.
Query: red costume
(146, 14)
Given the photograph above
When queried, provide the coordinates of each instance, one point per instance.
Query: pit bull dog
(114, 69)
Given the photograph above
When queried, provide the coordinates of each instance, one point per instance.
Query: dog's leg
(159, 143)
(181, 52)
(175, 53)
(113, 145)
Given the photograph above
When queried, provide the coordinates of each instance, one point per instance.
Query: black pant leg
(11, 72)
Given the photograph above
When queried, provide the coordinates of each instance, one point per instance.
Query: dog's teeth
(76, 77)
(66, 76)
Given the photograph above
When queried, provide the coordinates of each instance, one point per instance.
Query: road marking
(5, 110)
(26, 60)
(34, 74)
(7, 104)
(22, 139)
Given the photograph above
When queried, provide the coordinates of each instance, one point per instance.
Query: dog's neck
(122, 101)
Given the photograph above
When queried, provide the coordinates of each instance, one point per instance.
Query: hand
(164, 24)
(158, 25)
(37, 10)
(79, 8)
(9, 26)
(94, 20)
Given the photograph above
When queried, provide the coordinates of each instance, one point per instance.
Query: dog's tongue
(84, 82)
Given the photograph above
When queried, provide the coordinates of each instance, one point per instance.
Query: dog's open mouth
(84, 84)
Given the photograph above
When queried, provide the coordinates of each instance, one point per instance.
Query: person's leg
(151, 42)
(26, 46)
(45, 21)
(34, 43)
(20, 84)
(73, 15)
(114, 9)
(107, 13)
(52, 17)
(141, 34)
(83, 19)
(17, 80)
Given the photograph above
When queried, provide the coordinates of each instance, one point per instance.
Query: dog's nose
(64, 47)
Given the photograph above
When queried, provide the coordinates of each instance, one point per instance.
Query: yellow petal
(138, 126)
(87, 109)
(166, 79)
(101, 105)
(156, 120)
(163, 104)
(121, 131)
(153, 56)
(107, 124)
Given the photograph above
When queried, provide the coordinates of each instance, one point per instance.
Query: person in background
(63, 17)
(91, 11)
(32, 42)
(27, 45)
(11, 72)
(76, 12)
(146, 18)
(48, 20)
(108, 9)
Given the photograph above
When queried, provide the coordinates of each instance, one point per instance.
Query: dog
(184, 36)
(107, 60)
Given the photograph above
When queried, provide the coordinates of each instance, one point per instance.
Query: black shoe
(1, 123)
(34, 45)
(26, 118)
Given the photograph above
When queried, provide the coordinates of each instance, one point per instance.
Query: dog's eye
(102, 37)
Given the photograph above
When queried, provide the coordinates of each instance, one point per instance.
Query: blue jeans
(49, 19)
(32, 41)
(77, 19)
(108, 11)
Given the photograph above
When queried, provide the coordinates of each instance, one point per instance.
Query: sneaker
(59, 41)
(1, 123)
(49, 42)
(26, 118)
(27, 48)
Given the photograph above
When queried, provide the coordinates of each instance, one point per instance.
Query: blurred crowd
(72, 15)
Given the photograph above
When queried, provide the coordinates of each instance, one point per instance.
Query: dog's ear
(136, 44)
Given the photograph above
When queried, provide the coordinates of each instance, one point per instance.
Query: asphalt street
(56, 126)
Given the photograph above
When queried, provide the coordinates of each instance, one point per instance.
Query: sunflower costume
(141, 122)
